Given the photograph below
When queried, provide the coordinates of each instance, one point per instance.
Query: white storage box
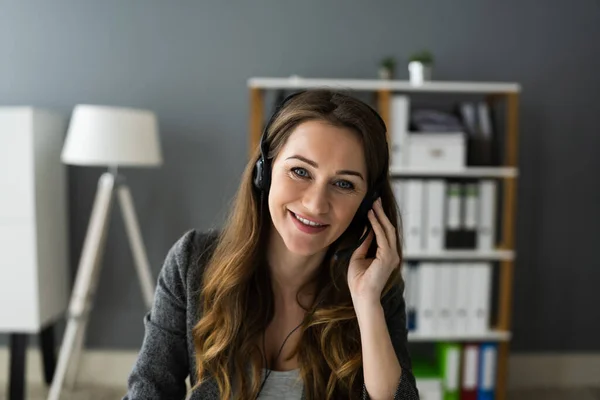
(436, 150)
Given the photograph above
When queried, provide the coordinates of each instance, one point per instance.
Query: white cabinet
(34, 279)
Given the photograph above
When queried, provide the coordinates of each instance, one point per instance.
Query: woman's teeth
(306, 222)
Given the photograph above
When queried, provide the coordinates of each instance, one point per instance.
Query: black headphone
(262, 177)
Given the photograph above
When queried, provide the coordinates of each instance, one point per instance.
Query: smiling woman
(300, 295)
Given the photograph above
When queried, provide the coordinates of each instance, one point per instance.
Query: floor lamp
(111, 137)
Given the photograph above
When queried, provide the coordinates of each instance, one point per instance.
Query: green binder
(448, 355)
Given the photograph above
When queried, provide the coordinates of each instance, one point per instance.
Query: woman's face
(318, 182)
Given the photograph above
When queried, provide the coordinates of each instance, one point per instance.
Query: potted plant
(387, 67)
(420, 67)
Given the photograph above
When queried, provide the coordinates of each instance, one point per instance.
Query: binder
(426, 303)
(463, 298)
(485, 122)
(470, 201)
(477, 121)
(470, 371)
(453, 215)
(480, 301)
(469, 118)
(486, 135)
(486, 227)
(445, 276)
(398, 190)
(449, 358)
(413, 216)
(412, 286)
(487, 371)
(399, 129)
(434, 214)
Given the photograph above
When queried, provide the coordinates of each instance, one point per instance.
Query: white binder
(413, 215)
(463, 291)
(426, 304)
(445, 300)
(486, 232)
(434, 215)
(481, 279)
(453, 212)
(471, 198)
(399, 128)
(398, 190)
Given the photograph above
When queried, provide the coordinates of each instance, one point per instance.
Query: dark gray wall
(189, 62)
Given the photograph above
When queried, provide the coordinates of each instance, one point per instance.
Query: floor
(103, 393)
(84, 393)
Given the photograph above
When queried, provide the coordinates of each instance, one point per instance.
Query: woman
(290, 300)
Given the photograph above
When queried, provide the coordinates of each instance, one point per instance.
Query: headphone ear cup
(375, 196)
(363, 209)
(262, 175)
(366, 205)
(259, 173)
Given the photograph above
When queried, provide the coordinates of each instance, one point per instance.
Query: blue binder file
(487, 371)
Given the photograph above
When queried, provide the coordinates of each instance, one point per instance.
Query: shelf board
(381, 84)
(493, 336)
(467, 172)
(470, 255)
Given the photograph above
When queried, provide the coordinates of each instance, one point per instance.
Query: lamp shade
(112, 136)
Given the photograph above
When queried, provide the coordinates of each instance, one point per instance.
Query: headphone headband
(262, 177)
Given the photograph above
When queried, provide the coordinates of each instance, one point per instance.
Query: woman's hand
(367, 276)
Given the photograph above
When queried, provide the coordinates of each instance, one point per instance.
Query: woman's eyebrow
(315, 165)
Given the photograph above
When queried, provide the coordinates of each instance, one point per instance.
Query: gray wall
(189, 62)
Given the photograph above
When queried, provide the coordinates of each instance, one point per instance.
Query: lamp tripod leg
(85, 285)
(137, 244)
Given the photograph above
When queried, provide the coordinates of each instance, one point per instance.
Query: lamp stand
(88, 272)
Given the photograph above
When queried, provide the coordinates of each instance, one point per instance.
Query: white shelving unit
(464, 255)
(492, 336)
(468, 172)
(506, 174)
(391, 85)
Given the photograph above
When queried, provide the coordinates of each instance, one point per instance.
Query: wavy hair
(236, 294)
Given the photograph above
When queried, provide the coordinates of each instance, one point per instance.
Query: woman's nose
(316, 199)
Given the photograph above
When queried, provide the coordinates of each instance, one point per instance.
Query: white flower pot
(419, 72)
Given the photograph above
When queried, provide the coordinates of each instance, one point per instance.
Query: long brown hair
(236, 296)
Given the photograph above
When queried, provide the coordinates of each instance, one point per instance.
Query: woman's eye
(301, 172)
(345, 185)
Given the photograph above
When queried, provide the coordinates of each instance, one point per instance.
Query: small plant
(424, 57)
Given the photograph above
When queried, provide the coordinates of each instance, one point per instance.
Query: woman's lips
(306, 228)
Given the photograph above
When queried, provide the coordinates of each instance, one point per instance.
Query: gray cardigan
(167, 356)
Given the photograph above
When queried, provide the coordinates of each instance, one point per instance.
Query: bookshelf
(462, 255)
(506, 175)
(491, 336)
(469, 172)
